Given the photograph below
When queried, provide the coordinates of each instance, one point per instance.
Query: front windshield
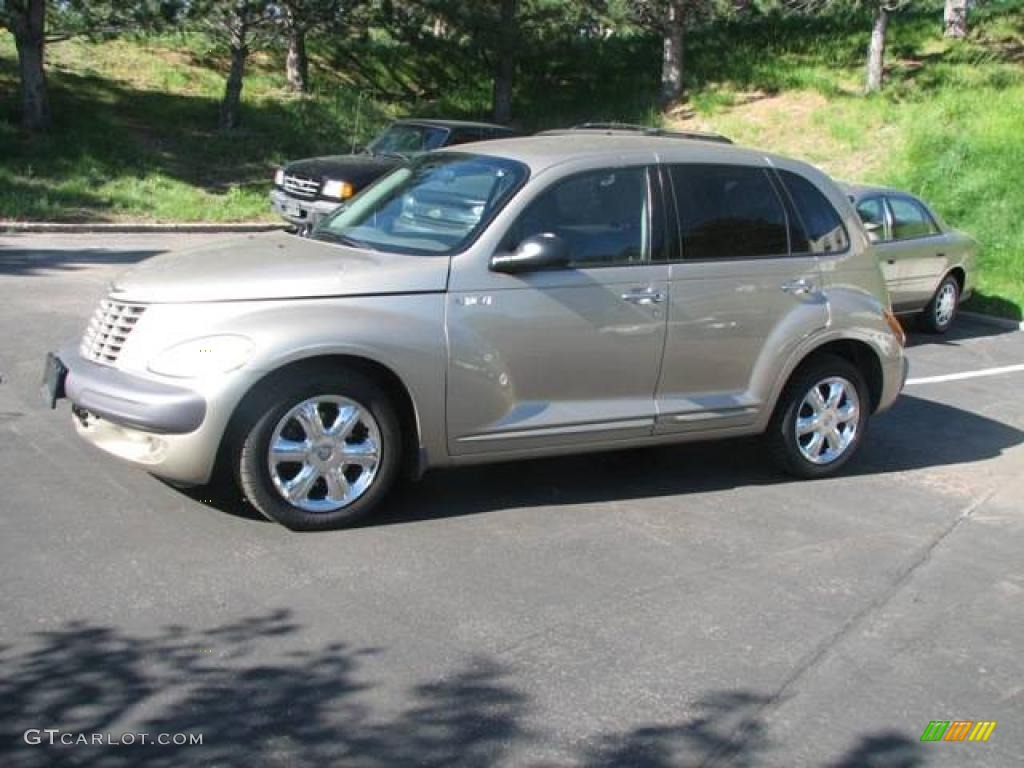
(406, 139)
(435, 205)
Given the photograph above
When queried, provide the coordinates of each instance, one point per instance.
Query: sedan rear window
(909, 220)
(435, 205)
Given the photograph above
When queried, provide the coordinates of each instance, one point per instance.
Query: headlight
(339, 190)
(279, 177)
(203, 357)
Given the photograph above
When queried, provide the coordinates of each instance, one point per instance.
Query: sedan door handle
(644, 296)
(800, 287)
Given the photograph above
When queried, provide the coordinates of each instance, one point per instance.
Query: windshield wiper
(389, 153)
(351, 242)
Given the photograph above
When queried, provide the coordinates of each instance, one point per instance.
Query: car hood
(276, 266)
(358, 170)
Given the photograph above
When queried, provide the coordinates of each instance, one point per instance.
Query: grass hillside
(135, 135)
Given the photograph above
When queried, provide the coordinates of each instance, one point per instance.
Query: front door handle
(800, 287)
(644, 296)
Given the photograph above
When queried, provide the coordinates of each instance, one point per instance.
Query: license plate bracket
(55, 375)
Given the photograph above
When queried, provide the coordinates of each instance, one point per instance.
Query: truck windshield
(437, 204)
(406, 139)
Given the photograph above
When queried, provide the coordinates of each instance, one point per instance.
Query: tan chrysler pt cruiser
(514, 299)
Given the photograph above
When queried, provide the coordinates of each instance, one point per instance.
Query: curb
(25, 227)
(999, 322)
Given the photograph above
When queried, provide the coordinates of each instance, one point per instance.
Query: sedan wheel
(938, 315)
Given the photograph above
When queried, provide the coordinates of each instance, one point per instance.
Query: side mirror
(874, 230)
(545, 251)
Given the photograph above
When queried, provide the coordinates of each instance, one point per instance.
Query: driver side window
(602, 216)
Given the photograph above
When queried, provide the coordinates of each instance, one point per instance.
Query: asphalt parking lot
(674, 607)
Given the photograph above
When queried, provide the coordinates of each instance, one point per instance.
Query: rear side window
(909, 219)
(728, 212)
(463, 136)
(823, 228)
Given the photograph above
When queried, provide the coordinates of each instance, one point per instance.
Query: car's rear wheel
(820, 419)
(938, 316)
(318, 452)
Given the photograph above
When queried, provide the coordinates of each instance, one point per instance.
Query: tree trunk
(876, 50)
(29, 29)
(297, 63)
(955, 18)
(230, 108)
(672, 55)
(505, 66)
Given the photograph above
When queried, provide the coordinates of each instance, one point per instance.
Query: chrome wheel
(324, 453)
(826, 422)
(945, 304)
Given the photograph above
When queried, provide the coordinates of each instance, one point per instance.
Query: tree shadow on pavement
(315, 707)
(25, 261)
(251, 707)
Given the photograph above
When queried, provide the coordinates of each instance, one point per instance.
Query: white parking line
(968, 375)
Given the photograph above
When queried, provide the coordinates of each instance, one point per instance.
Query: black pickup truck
(306, 190)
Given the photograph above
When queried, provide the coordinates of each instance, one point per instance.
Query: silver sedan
(929, 267)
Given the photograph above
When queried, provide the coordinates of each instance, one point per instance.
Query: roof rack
(612, 128)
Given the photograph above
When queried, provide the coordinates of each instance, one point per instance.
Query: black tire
(259, 419)
(783, 443)
(929, 318)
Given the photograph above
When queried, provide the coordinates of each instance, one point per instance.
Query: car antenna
(355, 127)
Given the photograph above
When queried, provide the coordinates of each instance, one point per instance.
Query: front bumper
(301, 213)
(170, 431)
(131, 401)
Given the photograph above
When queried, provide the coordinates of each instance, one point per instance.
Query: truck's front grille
(301, 186)
(108, 330)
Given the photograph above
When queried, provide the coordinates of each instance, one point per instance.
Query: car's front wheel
(318, 452)
(938, 316)
(820, 420)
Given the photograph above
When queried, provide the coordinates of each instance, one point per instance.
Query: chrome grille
(301, 186)
(108, 330)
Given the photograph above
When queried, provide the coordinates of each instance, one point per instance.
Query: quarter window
(601, 215)
(728, 212)
(823, 228)
(909, 219)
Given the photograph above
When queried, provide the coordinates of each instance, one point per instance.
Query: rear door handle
(800, 287)
(644, 296)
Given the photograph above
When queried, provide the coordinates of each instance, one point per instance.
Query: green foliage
(965, 155)
(103, 18)
(136, 138)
